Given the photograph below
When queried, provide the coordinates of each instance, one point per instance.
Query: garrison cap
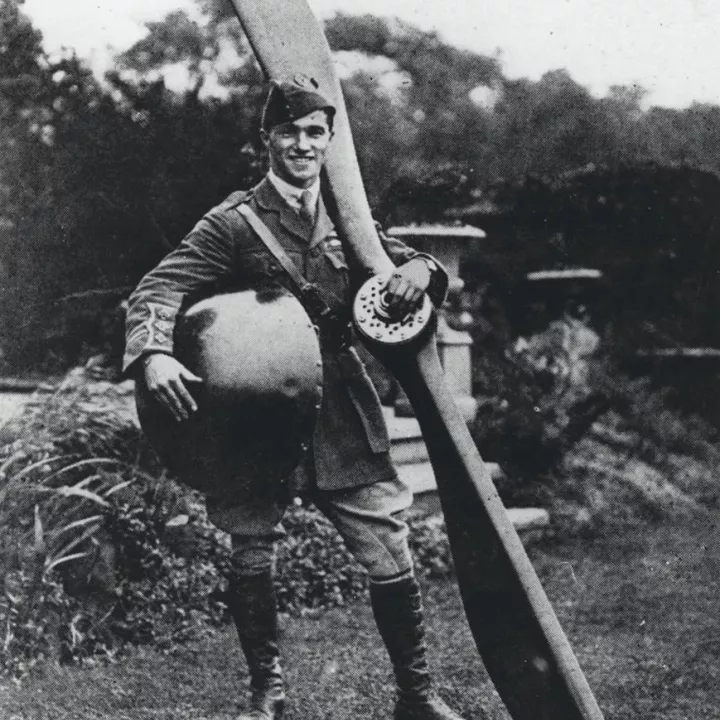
(290, 100)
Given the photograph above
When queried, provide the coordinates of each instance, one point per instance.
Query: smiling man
(347, 472)
(297, 150)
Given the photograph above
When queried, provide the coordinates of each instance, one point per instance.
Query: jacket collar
(291, 193)
(269, 200)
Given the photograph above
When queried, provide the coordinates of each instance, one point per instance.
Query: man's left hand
(406, 287)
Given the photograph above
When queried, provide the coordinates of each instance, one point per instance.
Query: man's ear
(264, 137)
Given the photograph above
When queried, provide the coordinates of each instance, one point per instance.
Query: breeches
(368, 518)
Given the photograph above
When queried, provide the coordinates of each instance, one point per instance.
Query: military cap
(290, 100)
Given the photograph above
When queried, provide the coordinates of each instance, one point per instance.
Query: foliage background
(100, 178)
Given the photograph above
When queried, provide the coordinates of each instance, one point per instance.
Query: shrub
(91, 549)
(578, 436)
(649, 413)
(541, 397)
(315, 569)
(538, 398)
(100, 548)
(430, 546)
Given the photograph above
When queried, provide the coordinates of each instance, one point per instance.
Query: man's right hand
(165, 378)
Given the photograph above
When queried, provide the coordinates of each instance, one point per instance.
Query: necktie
(307, 206)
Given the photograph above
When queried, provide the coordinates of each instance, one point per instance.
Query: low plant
(89, 551)
(537, 401)
(315, 569)
(100, 548)
(649, 413)
(587, 441)
(430, 546)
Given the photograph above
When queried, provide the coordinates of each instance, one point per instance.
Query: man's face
(297, 149)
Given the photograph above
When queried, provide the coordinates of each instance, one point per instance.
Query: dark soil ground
(640, 606)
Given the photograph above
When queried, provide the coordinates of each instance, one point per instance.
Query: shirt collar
(290, 193)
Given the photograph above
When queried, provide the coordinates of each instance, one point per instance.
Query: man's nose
(303, 141)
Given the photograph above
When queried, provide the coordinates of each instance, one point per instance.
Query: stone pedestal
(447, 244)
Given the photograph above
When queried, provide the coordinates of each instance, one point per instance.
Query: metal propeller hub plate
(373, 321)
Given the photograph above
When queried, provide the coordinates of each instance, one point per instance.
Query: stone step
(410, 456)
(419, 476)
(529, 519)
(406, 442)
(529, 522)
(408, 450)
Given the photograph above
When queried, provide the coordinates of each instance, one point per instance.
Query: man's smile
(297, 149)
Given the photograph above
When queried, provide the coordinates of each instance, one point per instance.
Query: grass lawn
(640, 606)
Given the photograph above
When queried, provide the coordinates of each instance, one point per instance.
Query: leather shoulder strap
(308, 292)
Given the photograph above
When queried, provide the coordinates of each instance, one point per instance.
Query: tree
(214, 51)
(434, 121)
(548, 127)
(25, 109)
(24, 81)
(106, 180)
(99, 180)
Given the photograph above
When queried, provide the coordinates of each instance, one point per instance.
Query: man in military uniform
(347, 473)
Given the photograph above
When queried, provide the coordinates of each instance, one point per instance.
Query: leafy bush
(315, 569)
(592, 444)
(542, 395)
(660, 428)
(643, 424)
(430, 546)
(100, 548)
(538, 398)
(91, 550)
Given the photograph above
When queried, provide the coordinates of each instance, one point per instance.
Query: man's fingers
(414, 298)
(395, 288)
(402, 296)
(392, 285)
(183, 395)
(169, 399)
(187, 375)
(410, 295)
(166, 378)
(176, 405)
(402, 300)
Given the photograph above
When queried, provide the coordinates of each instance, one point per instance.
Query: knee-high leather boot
(397, 607)
(251, 602)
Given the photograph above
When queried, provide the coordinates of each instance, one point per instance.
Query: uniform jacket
(350, 445)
